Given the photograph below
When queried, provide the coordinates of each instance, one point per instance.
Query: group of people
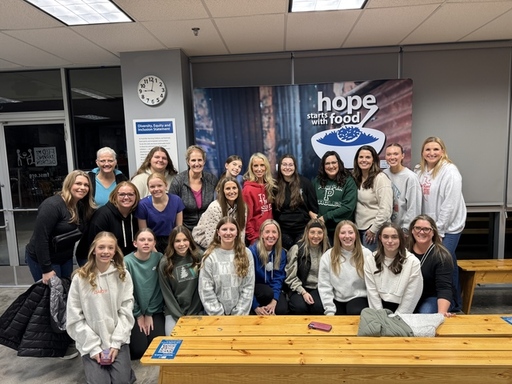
(169, 244)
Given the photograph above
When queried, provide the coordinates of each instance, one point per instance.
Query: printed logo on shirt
(425, 185)
(99, 291)
(186, 272)
(265, 206)
(329, 192)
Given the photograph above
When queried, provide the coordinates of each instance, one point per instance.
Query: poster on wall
(303, 120)
(149, 133)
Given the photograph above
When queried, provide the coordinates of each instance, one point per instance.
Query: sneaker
(71, 352)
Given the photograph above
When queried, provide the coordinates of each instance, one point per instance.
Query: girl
(269, 265)
(392, 274)
(226, 279)
(157, 160)
(295, 203)
(258, 194)
(148, 306)
(161, 211)
(436, 266)
(100, 313)
(336, 192)
(229, 202)
(374, 195)
(178, 277)
(441, 185)
(233, 167)
(341, 276)
(406, 188)
(195, 186)
(303, 260)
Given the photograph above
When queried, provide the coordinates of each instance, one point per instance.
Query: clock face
(151, 90)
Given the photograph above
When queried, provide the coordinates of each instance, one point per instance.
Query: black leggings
(352, 307)
(264, 295)
(139, 342)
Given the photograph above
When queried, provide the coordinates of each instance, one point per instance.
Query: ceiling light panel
(325, 5)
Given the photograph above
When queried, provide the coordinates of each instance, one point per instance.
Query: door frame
(19, 119)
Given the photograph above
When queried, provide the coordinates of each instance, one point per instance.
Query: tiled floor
(27, 370)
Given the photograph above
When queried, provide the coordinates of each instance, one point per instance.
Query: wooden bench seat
(485, 271)
(281, 349)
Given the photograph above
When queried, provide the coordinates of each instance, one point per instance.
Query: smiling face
(270, 235)
(104, 252)
(432, 153)
(364, 160)
(390, 240)
(227, 234)
(196, 162)
(315, 236)
(157, 187)
(80, 188)
(234, 168)
(259, 169)
(126, 197)
(181, 244)
(145, 242)
(159, 162)
(106, 163)
(347, 237)
(231, 191)
(287, 168)
(394, 156)
(331, 166)
(423, 232)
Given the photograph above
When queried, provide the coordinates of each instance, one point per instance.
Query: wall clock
(151, 90)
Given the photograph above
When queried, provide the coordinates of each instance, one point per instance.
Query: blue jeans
(428, 305)
(62, 270)
(450, 241)
(373, 246)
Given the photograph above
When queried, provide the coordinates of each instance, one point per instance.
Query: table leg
(468, 284)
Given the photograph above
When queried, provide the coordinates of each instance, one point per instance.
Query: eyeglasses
(425, 230)
(122, 195)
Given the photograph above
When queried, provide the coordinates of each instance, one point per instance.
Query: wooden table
(487, 271)
(281, 349)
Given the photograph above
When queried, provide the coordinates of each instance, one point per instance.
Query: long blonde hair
(444, 159)
(86, 203)
(88, 271)
(357, 254)
(260, 247)
(268, 180)
(241, 258)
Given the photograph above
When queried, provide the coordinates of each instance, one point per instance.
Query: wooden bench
(487, 271)
(281, 349)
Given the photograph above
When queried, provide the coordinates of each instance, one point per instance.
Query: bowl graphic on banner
(346, 141)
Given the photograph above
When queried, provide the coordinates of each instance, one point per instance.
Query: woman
(178, 277)
(105, 177)
(258, 194)
(195, 186)
(341, 276)
(374, 195)
(441, 185)
(436, 266)
(269, 264)
(116, 217)
(295, 201)
(100, 313)
(226, 278)
(406, 188)
(161, 211)
(229, 202)
(61, 220)
(392, 274)
(233, 167)
(157, 160)
(336, 192)
(303, 260)
(148, 307)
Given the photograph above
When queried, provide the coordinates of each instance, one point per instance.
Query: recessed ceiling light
(91, 93)
(92, 117)
(325, 5)
(81, 12)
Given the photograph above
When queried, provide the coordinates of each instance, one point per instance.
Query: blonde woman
(226, 278)
(341, 273)
(258, 194)
(269, 264)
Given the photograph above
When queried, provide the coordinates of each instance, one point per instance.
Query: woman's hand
(271, 307)
(148, 320)
(369, 237)
(47, 276)
(308, 298)
(261, 311)
(141, 322)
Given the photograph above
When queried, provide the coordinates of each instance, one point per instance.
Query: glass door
(33, 164)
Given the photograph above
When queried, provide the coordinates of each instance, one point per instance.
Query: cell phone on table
(320, 326)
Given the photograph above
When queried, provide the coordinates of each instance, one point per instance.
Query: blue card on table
(508, 319)
(167, 349)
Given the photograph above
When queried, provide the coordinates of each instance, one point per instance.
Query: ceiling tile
(497, 29)
(230, 8)
(163, 9)
(17, 14)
